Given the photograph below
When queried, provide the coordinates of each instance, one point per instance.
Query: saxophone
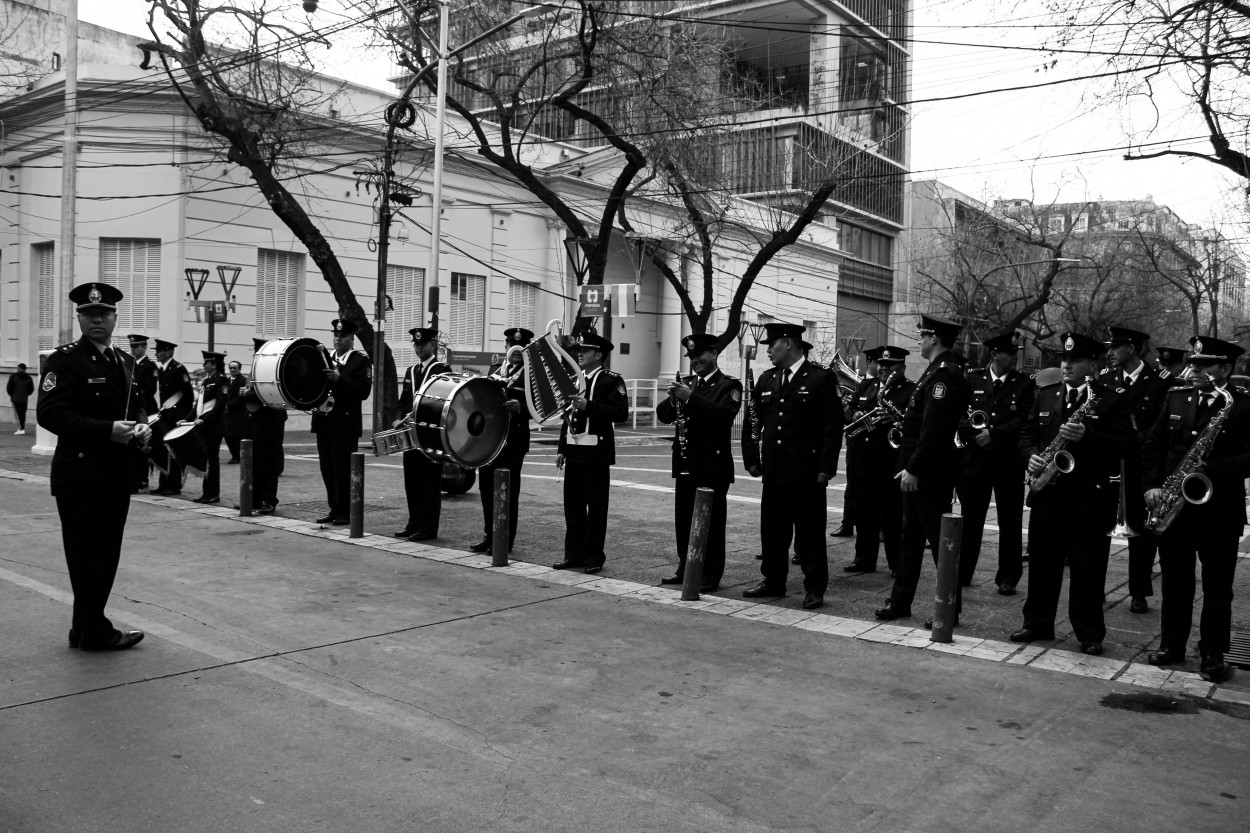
(1187, 483)
(1058, 460)
(683, 442)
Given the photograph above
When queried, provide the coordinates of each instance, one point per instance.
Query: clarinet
(752, 418)
(683, 442)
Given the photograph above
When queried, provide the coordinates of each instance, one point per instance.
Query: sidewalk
(294, 680)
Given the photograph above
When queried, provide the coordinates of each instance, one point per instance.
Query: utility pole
(69, 176)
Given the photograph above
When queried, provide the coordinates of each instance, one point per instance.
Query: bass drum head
(290, 373)
(187, 447)
(465, 419)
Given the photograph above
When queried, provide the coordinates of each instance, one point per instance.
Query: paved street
(293, 680)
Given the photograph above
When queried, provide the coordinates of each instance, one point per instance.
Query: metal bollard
(945, 600)
(501, 524)
(357, 512)
(247, 460)
(692, 579)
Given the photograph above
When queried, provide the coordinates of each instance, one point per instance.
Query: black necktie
(1074, 398)
(785, 377)
(998, 384)
(1204, 405)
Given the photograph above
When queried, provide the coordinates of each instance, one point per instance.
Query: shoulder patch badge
(186, 377)
(939, 390)
(49, 382)
(735, 395)
(620, 388)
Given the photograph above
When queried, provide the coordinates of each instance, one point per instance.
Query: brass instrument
(1187, 483)
(884, 413)
(683, 442)
(978, 420)
(1122, 529)
(1058, 460)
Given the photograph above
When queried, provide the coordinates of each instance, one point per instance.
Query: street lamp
(215, 312)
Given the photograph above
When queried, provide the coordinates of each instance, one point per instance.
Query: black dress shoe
(591, 569)
(1138, 605)
(892, 611)
(794, 559)
(1213, 668)
(856, 567)
(709, 588)
(168, 492)
(341, 522)
(844, 530)
(266, 509)
(117, 641)
(1029, 635)
(567, 565)
(672, 580)
(1094, 649)
(406, 532)
(1006, 590)
(325, 519)
(1165, 656)
(483, 545)
(206, 499)
(762, 590)
(418, 537)
(232, 462)
(811, 601)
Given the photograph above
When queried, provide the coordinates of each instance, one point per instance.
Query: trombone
(978, 420)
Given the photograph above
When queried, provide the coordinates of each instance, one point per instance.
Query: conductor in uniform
(863, 399)
(880, 505)
(211, 421)
(338, 430)
(1205, 533)
(586, 454)
(992, 463)
(423, 477)
(800, 437)
(175, 398)
(704, 405)
(1142, 389)
(516, 446)
(928, 459)
(89, 400)
(1072, 514)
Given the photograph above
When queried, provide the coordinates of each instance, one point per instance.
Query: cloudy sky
(981, 121)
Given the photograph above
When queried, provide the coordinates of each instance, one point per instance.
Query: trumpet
(978, 420)
(884, 413)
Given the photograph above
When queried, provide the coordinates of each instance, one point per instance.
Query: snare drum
(395, 441)
(461, 419)
(289, 373)
(187, 447)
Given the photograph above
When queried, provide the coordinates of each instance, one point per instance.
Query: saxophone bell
(979, 420)
(1196, 488)
(1064, 462)
(895, 437)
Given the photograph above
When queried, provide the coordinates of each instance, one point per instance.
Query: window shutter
(279, 293)
(134, 267)
(45, 279)
(406, 286)
(522, 303)
(468, 311)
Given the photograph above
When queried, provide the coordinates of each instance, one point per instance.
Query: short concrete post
(692, 578)
(501, 524)
(357, 514)
(945, 600)
(247, 460)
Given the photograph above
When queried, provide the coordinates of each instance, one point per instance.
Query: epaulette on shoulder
(67, 348)
(1165, 374)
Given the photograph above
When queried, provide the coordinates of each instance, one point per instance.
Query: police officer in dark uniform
(145, 387)
(1142, 389)
(338, 431)
(89, 400)
(863, 399)
(991, 462)
(801, 419)
(928, 458)
(586, 454)
(175, 398)
(880, 509)
(210, 421)
(1072, 514)
(1171, 359)
(236, 418)
(704, 406)
(265, 427)
(516, 446)
(1207, 533)
(423, 477)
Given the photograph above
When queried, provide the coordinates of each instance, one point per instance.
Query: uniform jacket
(1174, 433)
(1008, 410)
(80, 398)
(236, 418)
(1108, 438)
(874, 457)
(1143, 399)
(518, 443)
(609, 403)
(800, 426)
(709, 413)
(938, 402)
(353, 387)
(145, 378)
(171, 381)
(263, 424)
(414, 380)
(212, 404)
(864, 399)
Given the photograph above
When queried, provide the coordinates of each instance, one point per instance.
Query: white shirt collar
(794, 368)
(1132, 376)
(994, 377)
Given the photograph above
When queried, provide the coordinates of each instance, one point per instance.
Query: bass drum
(461, 419)
(289, 373)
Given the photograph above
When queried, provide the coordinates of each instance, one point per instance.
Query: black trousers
(486, 488)
(1072, 527)
(172, 480)
(1007, 488)
(141, 464)
(852, 496)
(683, 516)
(232, 443)
(922, 528)
(19, 410)
(795, 512)
(586, 490)
(92, 527)
(423, 488)
(1215, 546)
(212, 474)
(879, 515)
(266, 462)
(1143, 548)
(335, 455)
